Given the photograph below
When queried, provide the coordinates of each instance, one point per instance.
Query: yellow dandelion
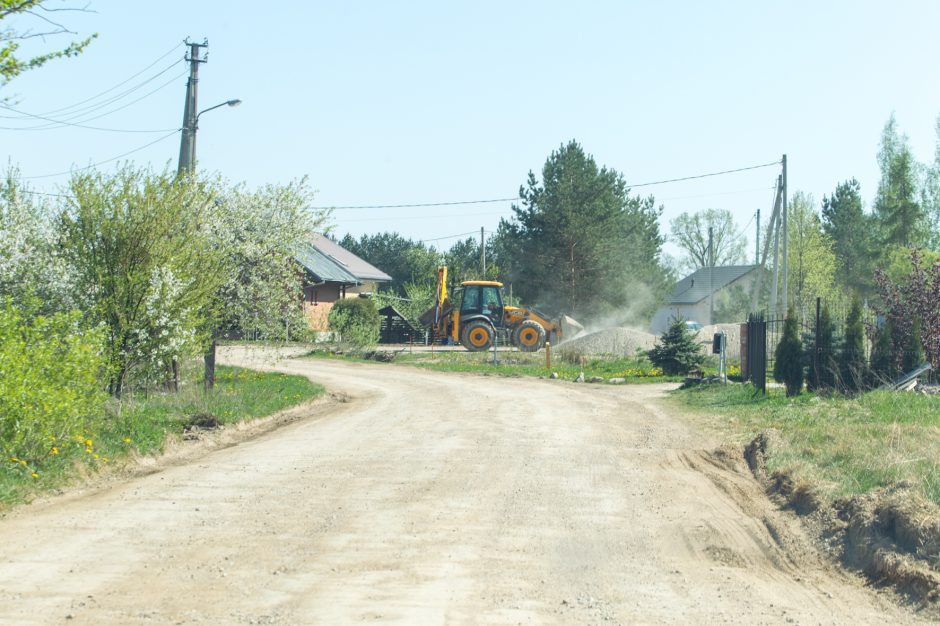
(22, 462)
(96, 456)
(54, 451)
(35, 475)
(104, 459)
(88, 450)
(127, 440)
(14, 459)
(88, 442)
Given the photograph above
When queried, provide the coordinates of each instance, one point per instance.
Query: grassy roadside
(514, 364)
(842, 446)
(142, 423)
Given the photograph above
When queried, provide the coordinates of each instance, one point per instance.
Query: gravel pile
(620, 342)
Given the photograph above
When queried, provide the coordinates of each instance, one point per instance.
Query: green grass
(515, 364)
(845, 446)
(141, 423)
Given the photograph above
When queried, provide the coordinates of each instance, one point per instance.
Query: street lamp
(188, 143)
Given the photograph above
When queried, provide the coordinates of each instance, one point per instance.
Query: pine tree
(854, 368)
(788, 358)
(677, 351)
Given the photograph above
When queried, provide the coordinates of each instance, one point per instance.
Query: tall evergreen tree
(823, 366)
(900, 215)
(579, 243)
(854, 367)
(788, 357)
(883, 368)
(850, 230)
(914, 350)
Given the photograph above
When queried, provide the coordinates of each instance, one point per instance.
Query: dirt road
(433, 499)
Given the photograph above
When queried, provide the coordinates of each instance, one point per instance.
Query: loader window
(492, 303)
(471, 300)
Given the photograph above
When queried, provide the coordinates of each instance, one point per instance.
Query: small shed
(396, 328)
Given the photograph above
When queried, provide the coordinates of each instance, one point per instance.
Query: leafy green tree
(854, 366)
(812, 262)
(357, 321)
(850, 230)
(678, 350)
(40, 24)
(579, 243)
(141, 251)
(690, 232)
(930, 196)
(788, 357)
(900, 215)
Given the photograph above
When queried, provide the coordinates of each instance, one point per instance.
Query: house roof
(329, 261)
(705, 281)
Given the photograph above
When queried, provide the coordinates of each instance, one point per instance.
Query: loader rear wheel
(529, 336)
(477, 336)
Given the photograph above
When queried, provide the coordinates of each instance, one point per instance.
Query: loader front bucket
(570, 327)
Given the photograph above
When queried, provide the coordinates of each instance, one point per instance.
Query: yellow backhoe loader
(480, 316)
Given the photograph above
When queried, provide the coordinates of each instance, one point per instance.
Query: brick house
(332, 273)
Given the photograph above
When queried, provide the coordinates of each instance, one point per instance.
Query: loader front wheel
(477, 336)
(529, 336)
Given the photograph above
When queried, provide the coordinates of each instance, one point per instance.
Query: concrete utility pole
(785, 237)
(757, 240)
(483, 253)
(187, 160)
(711, 274)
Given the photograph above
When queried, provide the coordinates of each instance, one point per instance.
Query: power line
(110, 89)
(452, 203)
(473, 232)
(423, 204)
(676, 180)
(59, 123)
(120, 156)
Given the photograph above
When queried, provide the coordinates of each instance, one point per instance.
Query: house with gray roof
(693, 296)
(331, 273)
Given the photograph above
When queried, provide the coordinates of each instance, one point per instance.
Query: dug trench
(890, 534)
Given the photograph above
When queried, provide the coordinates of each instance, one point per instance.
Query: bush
(357, 321)
(677, 351)
(788, 358)
(50, 387)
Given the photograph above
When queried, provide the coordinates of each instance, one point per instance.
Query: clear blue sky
(388, 103)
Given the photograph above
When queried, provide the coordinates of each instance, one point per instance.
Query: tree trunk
(209, 360)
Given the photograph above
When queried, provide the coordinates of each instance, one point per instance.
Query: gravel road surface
(431, 498)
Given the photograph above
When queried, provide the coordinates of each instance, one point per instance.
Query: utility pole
(757, 240)
(190, 111)
(711, 274)
(483, 253)
(785, 237)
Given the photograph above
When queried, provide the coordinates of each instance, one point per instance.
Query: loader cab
(482, 297)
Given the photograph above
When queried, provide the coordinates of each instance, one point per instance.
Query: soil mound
(618, 342)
